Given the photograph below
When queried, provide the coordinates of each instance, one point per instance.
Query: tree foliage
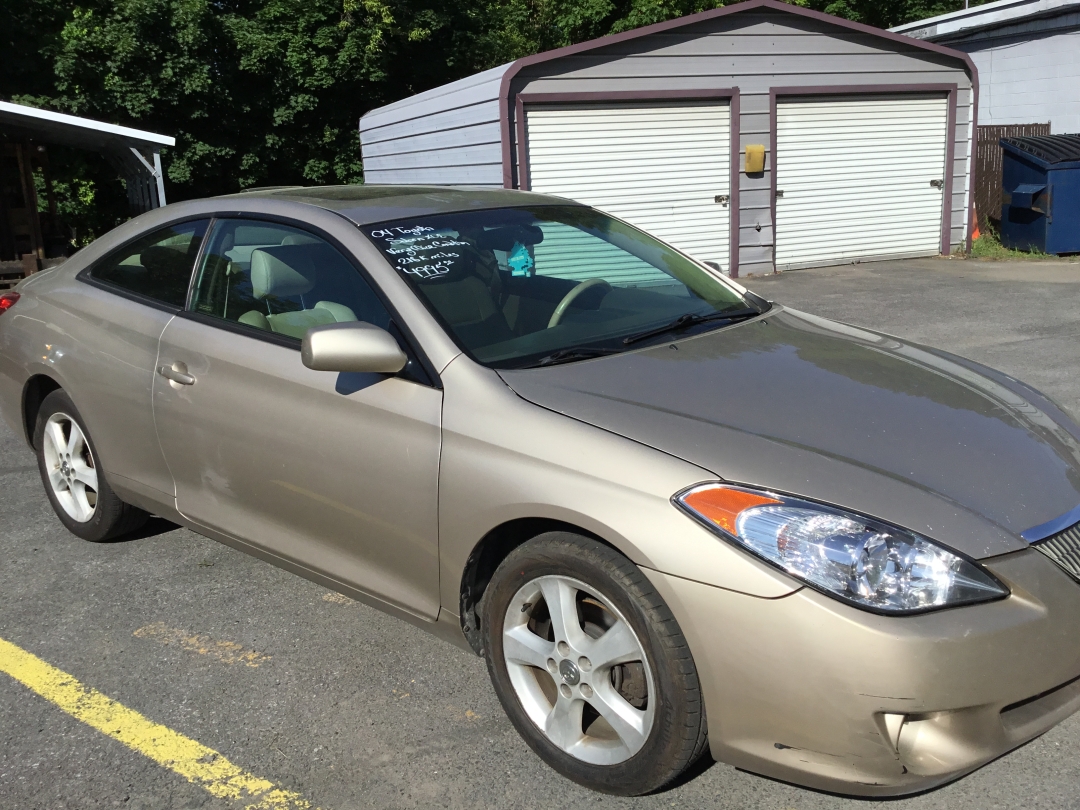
(267, 92)
(887, 13)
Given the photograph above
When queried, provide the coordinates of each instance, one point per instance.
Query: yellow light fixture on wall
(755, 158)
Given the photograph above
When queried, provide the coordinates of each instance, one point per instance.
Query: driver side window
(281, 280)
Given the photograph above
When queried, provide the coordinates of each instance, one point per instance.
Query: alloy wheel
(579, 670)
(70, 467)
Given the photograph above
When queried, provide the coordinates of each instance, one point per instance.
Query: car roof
(364, 204)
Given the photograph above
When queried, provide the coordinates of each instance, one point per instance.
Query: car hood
(807, 406)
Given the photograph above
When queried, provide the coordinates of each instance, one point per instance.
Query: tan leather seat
(284, 275)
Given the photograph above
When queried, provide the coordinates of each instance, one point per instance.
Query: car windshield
(520, 287)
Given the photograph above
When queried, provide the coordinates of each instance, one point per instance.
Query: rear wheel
(74, 481)
(591, 666)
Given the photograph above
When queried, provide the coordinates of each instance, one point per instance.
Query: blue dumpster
(1041, 193)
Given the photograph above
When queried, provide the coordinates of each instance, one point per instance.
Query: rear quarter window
(156, 266)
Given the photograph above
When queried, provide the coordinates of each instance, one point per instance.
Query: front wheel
(73, 478)
(591, 667)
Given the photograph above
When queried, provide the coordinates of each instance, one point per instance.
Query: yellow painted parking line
(228, 652)
(195, 762)
(337, 598)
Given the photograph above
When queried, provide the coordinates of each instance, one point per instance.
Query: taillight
(7, 301)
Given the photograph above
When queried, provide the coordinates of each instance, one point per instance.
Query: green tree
(887, 13)
(256, 92)
(29, 40)
(163, 66)
(520, 27)
(268, 92)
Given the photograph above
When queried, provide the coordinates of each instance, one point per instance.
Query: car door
(336, 473)
(108, 351)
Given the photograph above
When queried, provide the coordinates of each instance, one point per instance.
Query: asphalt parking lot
(341, 707)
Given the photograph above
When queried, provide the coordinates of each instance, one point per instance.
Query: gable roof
(514, 68)
(725, 11)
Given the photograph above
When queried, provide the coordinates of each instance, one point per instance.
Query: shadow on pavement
(152, 528)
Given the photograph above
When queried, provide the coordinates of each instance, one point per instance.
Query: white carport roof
(135, 153)
(70, 130)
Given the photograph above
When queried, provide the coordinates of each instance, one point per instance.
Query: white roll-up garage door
(659, 166)
(859, 178)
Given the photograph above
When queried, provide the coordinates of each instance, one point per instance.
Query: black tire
(679, 733)
(111, 517)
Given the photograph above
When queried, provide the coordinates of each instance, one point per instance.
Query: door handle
(938, 184)
(176, 375)
(723, 199)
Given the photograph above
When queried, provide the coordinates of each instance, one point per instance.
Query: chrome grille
(1064, 549)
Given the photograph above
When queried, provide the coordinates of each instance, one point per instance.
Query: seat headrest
(274, 274)
(299, 239)
(284, 270)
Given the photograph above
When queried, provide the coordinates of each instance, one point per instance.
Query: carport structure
(758, 136)
(29, 236)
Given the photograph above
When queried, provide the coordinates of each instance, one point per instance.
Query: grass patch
(988, 246)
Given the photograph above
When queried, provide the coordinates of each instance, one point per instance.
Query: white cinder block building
(866, 136)
(1028, 56)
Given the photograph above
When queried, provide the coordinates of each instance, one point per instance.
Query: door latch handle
(937, 184)
(779, 193)
(723, 199)
(176, 375)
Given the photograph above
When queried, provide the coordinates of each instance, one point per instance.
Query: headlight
(855, 558)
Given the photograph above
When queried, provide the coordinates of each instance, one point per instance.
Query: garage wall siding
(447, 136)
(451, 135)
(756, 51)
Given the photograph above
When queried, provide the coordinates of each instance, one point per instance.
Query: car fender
(505, 459)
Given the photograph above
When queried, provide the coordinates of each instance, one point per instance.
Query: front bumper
(809, 690)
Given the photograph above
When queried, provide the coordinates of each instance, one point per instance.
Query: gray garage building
(866, 136)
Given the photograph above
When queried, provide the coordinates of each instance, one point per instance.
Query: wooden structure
(31, 235)
(21, 232)
(988, 158)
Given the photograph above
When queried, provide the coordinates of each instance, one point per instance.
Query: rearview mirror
(352, 346)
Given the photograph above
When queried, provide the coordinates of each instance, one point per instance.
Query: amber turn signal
(722, 505)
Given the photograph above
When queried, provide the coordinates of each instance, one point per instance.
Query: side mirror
(353, 346)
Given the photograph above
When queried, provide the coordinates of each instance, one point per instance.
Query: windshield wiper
(574, 353)
(692, 319)
(683, 321)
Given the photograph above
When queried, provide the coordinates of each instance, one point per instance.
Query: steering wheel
(569, 298)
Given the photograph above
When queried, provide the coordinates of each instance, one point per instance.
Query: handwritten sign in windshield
(420, 251)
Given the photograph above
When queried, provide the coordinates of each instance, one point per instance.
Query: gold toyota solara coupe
(673, 516)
